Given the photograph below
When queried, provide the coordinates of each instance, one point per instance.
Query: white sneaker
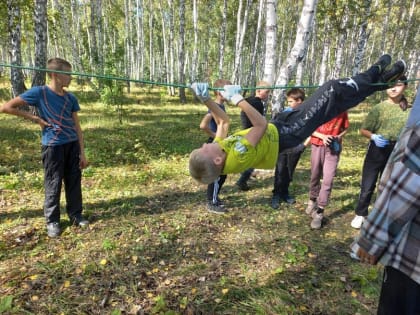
(311, 207)
(357, 221)
(316, 222)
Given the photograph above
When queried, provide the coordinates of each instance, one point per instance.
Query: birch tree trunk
(222, 40)
(182, 96)
(151, 55)
(165, 47)
(139, 73)
(252, 80)
(363, 38)
(171, 45)
(342, 36)
(14, 28)
(270, 41)
(241, 30)
(194, 61)
(128, 44)
(297, 53)
(40, 18)
(325, 52)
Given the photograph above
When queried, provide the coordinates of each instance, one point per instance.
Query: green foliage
(6, 303)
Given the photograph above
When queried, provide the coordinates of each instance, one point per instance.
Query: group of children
(326, 146)
(390, 232)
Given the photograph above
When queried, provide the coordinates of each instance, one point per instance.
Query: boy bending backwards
(258, 146)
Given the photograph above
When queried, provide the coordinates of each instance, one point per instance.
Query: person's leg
(331, 99)
(399, 294)
(317, 160)
(328, 173)
(221, 181)
(214, 188)
(293, 159)
(52, 160)
(373, 165)
(72, 180)
(242, 182)
(280, 175)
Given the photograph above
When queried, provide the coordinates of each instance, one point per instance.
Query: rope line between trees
(176, 85)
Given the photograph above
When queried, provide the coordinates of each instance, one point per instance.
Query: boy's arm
(201, 90)
(259, 123)
(204, 125)
(221, 118)
(83, 161)
(232, 93)
(12, 108)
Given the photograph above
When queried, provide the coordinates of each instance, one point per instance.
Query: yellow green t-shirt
(241, 155)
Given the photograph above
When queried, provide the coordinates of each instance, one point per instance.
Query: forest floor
(152, 247)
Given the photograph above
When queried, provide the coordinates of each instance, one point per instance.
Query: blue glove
(379, 140)
(232, 93)
(201, 90)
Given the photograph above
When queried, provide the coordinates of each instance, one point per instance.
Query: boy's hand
(232, 93)
(201, 90)
(379, 140)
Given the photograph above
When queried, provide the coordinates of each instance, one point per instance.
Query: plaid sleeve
(411, 156)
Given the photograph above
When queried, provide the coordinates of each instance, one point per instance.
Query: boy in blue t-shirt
(63, 154)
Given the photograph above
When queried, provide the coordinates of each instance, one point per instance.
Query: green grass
(152, 246)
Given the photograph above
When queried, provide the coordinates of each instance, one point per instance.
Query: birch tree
(182, 96)
(252, 73)
(194, 61)
(40, 21)
(222, 40)
(363, 37)
(16, 75)
(270, 41)
(297, 53)
(241, 27)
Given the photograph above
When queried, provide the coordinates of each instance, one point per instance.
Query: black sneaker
(80, 221)
(275, 202)
(289, 199)
(383, 62)
(396, 71)
(216, 208)
(242, 186)
(53, 229)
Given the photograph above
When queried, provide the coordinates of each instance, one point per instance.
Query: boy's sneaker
(275, 202)
(216, 208)
(311, 207)
(53, 229)
(357, 222)
(80, 221)
(316, 222)
(383, 62)
(392, 75)
(289, 199)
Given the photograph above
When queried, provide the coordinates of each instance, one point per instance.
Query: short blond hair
(202, 168)
(58, 64)
(261, 85)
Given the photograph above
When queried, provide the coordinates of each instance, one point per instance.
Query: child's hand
(83, 163)
(201, 90)
(379, 140)
(230, 91)
(41, 122)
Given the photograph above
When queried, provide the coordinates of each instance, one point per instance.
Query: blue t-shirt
(57, 110)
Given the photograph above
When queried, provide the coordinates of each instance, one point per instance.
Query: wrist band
(236, 99)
